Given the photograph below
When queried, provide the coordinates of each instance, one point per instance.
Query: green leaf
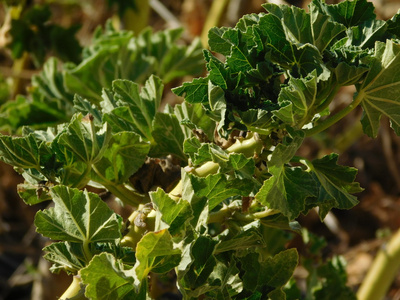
(202, 265)
(120, 55)
(107, 278)
(301, 59)
(301, 27)
(238, 59)
(348, 13)
(194, 118)
(79, 217)
(20, 152)
(174, 213)
(336, 184)
(218, 187)
(33, 193)
(155, 253)
(258, 120)
(195, 91)
(302, 94)
(349, 74)
(225, 282)
(216, 41)
(203, 152)
(168, 136)
(334, 285)
(380, 89)
(125, 155)
(270, 274)
(247, 238)
(65, 256)
(366, 34)
(50, 83)
(218, 74)
(84, 140)
(141, 108)
(84, 107)
(288, 187)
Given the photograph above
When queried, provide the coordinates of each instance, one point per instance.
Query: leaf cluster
(33, 32)
(284, 67)
(223, 229)
(111, 55)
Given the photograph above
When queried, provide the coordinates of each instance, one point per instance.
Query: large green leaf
(195, 91)
(142, 107)
(302, 94)
(78, 216)
(336, 184)
(84, 140)
(107, 278)
(202, 265)
(155, 253)
(301, 59)
(195, 121)
(288, 187)
(65, 256)
(348, 13)
(50, 83)
(380, 91)
(125, 155)
(168, 136)
(248, 237)
(301, 27)
(117, 55)
(217, 187)
(20, 152)
(270, 274)
(174, 213)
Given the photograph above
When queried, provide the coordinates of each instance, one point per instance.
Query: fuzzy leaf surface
(155, 253)
(107, 278)
(336, 184)
(174, 214)
(125, 155)
(289, 187)
(380, 89)
(78, 216)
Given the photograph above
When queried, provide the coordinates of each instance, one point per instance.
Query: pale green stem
(126, 195)
(121, 191)
(335, 118)
(249, 147)
(75, 290)
(384, 269)
(324, 105)
(86, 251)
(232, 212)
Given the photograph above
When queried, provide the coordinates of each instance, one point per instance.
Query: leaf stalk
(335, 118)
(75, 290)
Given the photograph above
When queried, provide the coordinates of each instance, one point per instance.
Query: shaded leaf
(380, 89)
(107, 278)
(174, 213)
(336, 184)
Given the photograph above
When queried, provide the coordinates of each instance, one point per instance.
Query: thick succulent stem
(382, 272)
(75, 291)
